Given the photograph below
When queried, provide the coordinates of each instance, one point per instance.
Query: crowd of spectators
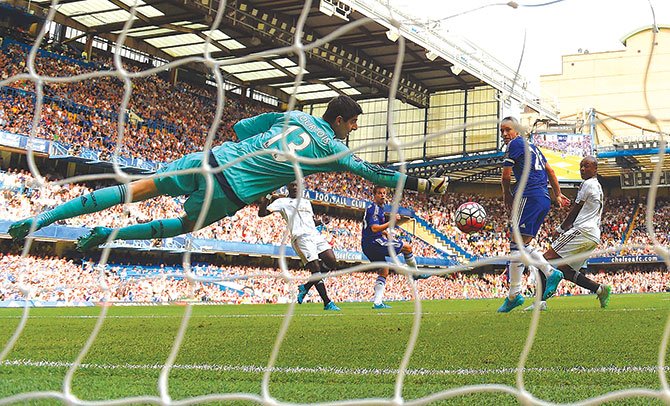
(164, 121)
(58, 279)
(639, 236)
(578, 145)
(21, 198)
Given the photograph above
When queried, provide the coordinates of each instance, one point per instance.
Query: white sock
(410, 261)
(515, 272)
(380, 285)
(534, 277)
(600, 290)
(543, 264)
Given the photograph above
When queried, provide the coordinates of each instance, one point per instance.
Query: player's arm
(553, 181)
(389, 178)
(583, 195)
(255, 125)
(515, 151)
(265, 205)
(571, 217)
(385, 226)
(506, 183)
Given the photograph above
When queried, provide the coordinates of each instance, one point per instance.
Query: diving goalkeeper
(265, 167)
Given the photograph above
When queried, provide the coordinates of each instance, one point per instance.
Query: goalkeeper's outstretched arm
(389, 178)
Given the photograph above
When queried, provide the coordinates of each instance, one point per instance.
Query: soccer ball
(470, 217)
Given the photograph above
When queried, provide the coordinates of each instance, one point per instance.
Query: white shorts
(309, 246)
(573, 242)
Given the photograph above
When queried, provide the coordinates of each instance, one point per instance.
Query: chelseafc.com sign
(626, 259)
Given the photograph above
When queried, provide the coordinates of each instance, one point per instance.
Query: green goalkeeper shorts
(193, 185)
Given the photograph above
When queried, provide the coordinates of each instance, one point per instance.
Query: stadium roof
(359, 62)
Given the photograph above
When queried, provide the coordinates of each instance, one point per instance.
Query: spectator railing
(47, 54)
(631, 224)
(446, 240)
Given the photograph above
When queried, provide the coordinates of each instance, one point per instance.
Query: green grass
(349, 355)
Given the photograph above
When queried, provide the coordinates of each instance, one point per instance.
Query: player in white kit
(306, 240)
(580, 234)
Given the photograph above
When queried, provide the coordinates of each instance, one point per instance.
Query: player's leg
(572, 243)
(549, 276)
(311, 248)
(379, 288)
(382, 275)
(315, 268)
(219, 208)
(515, 267)
(529, 220)
(540, 284)
(515, 271)
(578, 278)
(302, 249)
(408, 253)
(89, 203)
(328, 263)
(377, 251)
(156, 229)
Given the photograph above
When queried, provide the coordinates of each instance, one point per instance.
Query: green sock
(85, 204)
(154, 229)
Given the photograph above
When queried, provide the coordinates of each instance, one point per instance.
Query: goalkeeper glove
(435, 185)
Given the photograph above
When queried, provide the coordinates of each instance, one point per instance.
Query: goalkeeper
(260, 165)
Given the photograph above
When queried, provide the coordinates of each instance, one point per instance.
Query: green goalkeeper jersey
(256, 172)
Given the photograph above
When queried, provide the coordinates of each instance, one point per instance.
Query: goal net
(125, 99)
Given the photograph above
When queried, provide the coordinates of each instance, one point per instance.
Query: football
(470, 217)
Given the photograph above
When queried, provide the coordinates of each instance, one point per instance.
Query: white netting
(300, 49)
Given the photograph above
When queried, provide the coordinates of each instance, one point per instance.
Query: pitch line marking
(261, 315)
(336, 371)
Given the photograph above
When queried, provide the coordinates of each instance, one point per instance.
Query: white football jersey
(300, 223)
(588, 219)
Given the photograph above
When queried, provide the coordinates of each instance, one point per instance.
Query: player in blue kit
(535, 204)
(375, 243)
(259, 163)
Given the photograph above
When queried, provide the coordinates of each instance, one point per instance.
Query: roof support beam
(280, 31)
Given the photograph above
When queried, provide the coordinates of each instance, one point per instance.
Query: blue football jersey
(537, 177)
(374, 214)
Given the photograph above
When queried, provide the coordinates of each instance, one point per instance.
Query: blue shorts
(533, 210)
(378, 249)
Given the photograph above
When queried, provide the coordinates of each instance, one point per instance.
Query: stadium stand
(57, 279)
(76, 116)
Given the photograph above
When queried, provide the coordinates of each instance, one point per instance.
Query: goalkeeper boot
(508, 305)
(543, 307)
(604, 295)
(331, 306)
(20, 229)
(380, 306)
(95, 237)
(552, 284)
(302, 292)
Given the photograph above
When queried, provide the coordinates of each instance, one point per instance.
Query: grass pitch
(580, 351)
